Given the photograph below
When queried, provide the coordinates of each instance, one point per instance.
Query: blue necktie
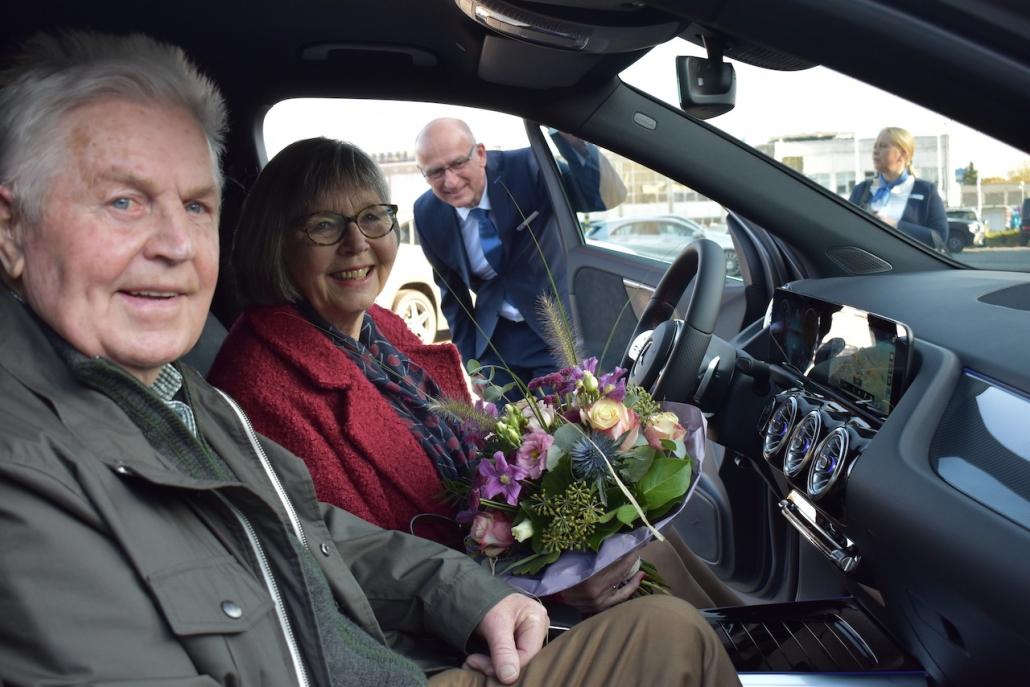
(488, 238)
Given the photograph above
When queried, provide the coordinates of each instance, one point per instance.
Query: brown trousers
(654, 640)
(686, 575)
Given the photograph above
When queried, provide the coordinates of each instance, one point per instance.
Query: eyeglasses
(436, 173)
(327, 228)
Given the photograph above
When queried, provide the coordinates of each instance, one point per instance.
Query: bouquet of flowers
(579, 472)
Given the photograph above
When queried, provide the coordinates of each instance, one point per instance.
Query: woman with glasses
(316, 364)
(340, 381)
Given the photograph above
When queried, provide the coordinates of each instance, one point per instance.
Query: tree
(1021, 173)
(971, 175)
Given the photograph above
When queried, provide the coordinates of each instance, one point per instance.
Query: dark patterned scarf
(408, 390)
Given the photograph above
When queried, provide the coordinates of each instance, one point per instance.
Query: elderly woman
(338, 380)
(895, 195)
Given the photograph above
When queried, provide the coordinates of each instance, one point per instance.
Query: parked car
(870, 522)
(965, 228)
(662, 237)
(410, 291)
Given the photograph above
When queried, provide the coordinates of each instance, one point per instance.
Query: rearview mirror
(707, 88)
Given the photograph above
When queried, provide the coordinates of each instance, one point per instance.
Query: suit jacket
(924, 214)
(301, 391)
(517, 191)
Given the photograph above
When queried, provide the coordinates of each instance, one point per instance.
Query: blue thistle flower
(587, 457)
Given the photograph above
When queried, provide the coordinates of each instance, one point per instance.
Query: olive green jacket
(115, 567)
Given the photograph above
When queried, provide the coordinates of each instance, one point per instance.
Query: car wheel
(418, 312)
(732, 263)
(955, 244)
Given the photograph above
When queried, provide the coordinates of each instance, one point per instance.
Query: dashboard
(897, 428)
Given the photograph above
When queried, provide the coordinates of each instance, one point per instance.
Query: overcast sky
(769, 104)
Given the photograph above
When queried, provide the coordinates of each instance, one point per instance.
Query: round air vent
(778, 428)
(828, 462)
(802, 440)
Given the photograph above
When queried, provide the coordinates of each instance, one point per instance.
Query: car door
(729, 522)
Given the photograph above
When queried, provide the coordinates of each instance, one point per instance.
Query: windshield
(951, 187)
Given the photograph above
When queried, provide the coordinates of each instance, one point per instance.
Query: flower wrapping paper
(573, 567)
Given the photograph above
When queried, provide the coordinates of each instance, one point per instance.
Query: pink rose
(613, 420)
(492, 532)
(532, 455)
(663, 426)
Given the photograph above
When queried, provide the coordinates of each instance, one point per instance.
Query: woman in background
(895, 196)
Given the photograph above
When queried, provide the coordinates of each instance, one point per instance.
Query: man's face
(124, 260)
(462, 162)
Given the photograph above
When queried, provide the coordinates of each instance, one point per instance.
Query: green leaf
(554, 454)
(567, 435)
(558, 479)
(601, 532)
(531, 565)
(472, 366)
(626, 514)
(667, 479)
(676, 448)
(636, 463)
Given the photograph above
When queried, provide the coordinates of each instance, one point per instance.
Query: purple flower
(588, 365)
(613, 385)
(532, 455)
(488, 408)
(501, 478)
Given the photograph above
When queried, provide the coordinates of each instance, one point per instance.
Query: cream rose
(613, 420)
(663, 426)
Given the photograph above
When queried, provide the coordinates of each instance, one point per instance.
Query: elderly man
(149, 535)
(487, 226)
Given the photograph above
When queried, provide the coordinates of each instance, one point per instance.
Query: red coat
(301, 391)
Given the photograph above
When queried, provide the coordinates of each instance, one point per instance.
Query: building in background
(839, 161)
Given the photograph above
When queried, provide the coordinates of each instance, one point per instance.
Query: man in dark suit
(487, 227)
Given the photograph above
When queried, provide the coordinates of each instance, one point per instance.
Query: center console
(845, 370)
(836, 373)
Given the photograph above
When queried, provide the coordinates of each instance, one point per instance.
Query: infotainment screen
(862, 355)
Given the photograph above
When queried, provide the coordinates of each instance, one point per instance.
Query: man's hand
(514, 629)
(612, 585)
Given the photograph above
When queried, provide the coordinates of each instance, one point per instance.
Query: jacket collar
(93, 420)
(285, 330)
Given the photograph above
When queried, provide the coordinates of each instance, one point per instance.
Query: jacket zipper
(267, 465)
(273, 590)
(266, 569)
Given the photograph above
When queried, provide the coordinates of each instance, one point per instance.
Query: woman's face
(341, 281)
(888, 159)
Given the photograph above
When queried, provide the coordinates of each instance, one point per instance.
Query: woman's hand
(889, 220)
(612, 585)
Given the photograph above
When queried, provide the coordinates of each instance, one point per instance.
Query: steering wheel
(664, 355)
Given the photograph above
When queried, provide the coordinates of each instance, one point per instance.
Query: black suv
(963, 227)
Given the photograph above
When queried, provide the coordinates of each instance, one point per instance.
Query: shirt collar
(484, 203)
(168, 383)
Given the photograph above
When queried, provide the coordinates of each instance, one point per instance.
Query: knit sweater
(301, 391)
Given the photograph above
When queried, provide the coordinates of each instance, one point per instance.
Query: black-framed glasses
(327, 228)
(436, 173)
